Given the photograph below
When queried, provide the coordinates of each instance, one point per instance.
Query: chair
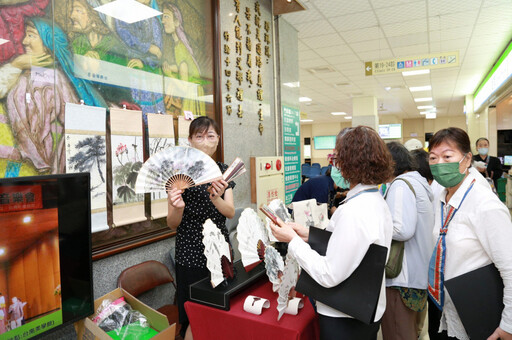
(315, 171)
(324, 169)
(306, 169)
(316, 165)
(145, 276)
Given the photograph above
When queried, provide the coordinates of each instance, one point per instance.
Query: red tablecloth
(211, 323)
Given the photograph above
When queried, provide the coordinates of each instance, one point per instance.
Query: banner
(291, 152)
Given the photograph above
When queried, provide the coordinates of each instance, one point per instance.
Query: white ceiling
(343, 34)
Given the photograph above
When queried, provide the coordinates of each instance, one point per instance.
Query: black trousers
(184, 278)
(434, 319)
(346, 329)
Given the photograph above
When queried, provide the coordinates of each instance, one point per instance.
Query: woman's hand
(284, 232)
(300, 230)
(135, 63)
(174, 199)
(26, 61)
(500, 334)
(217, 189)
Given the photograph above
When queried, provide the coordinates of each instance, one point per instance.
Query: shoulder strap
(406, 182)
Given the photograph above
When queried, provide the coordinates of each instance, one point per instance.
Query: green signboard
(291, 146)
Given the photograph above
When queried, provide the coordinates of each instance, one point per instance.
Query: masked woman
(472, 229)
(37, 90)
(189, 209)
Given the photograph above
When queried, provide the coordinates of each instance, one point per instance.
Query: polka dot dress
(198, 208)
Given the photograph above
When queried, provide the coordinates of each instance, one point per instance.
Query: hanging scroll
(86, 152)
(161, 136)
(127, 158)
(183, 126)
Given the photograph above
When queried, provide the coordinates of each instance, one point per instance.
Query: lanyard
(452, 211)
(359, 193)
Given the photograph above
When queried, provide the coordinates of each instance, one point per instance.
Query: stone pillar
(477, 123)
(364, 112)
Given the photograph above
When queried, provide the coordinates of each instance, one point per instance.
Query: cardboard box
(88, 330)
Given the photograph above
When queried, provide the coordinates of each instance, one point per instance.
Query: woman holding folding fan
(188, 211)
(361, 221)
(473, 235)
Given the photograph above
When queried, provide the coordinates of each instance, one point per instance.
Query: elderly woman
(472, 229)
(365, 162)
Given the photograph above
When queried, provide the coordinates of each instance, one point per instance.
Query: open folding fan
(252, 239)
(286, 289)
(279, 209)
(178, 167)
(274, 265)
(218, 254)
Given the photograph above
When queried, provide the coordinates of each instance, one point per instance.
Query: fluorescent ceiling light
(293, 84)
(304, 99)
(420, 88)
(348, 117)
(423, 107)
(431, 115)
(419, 100)
(338, 113)
(129, 11)
(306, 120)
(415, 73)
(3, 41)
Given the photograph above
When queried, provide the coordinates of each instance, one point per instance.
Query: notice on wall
(291, 152)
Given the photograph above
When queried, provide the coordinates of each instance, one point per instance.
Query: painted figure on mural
(3, 314)
(179, 62)
(12, 24)
(144, 39)
(16, 312)
(36, 94)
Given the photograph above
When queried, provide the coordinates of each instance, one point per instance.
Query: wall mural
(161, 64)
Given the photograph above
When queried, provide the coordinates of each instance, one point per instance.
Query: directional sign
(428, 61)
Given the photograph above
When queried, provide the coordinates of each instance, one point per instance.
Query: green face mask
(338, 178)
(447, 174)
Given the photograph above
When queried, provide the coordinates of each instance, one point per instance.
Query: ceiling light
(304, 99)
(129, 11)
(387, 88)
(423, 107)
(415, 73)
(338, 113)
(27, 219)
(420, 88)
(2, 251)
(289, 0)
(3, 41)
(231, 14)
(348, 117)
(431, 115)
(419, 100)
(306, 120)
(293, 84)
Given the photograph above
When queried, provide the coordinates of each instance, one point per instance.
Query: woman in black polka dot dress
(189, 209)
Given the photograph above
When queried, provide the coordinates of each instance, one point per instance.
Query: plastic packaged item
(120, 321)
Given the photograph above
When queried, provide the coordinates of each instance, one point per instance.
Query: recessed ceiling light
(2, 251)
(348, 117)
(423, 107)
(27, 219)
(293, 84)
(3, 41)
(129, 11)
(419, 100)
(387, 88)
(306, 120)
(415, 73)
(431, 115)
(338, 113)
(420, 88)
(304, 99)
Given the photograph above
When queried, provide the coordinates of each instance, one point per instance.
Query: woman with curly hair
(361, 220)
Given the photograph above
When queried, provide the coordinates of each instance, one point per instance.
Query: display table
(211, 323)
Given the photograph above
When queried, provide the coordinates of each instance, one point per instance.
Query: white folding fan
(217, 252)
(274, 265)
(178, 167)
(252, 239)
(280, 210)
(287, 287)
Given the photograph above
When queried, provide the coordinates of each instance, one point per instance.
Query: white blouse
(355, 225)
(480, 233)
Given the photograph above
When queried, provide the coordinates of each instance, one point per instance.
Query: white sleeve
(402, 205)
(493, 228)
(347, 246)
(8, 77)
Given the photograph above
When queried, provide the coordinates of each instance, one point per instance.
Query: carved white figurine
(274, 265)
(252, 239)
(288, 281)
(217, 252)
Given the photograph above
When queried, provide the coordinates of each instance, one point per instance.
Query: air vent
(321, 69)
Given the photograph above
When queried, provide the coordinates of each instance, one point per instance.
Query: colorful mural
(161, 64)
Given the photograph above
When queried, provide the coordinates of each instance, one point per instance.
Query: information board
(291, 152)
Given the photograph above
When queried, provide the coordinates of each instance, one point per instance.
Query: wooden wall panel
(32, 282)
(45, 269)
(15, 279)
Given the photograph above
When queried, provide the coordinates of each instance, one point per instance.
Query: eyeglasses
(209, 137)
